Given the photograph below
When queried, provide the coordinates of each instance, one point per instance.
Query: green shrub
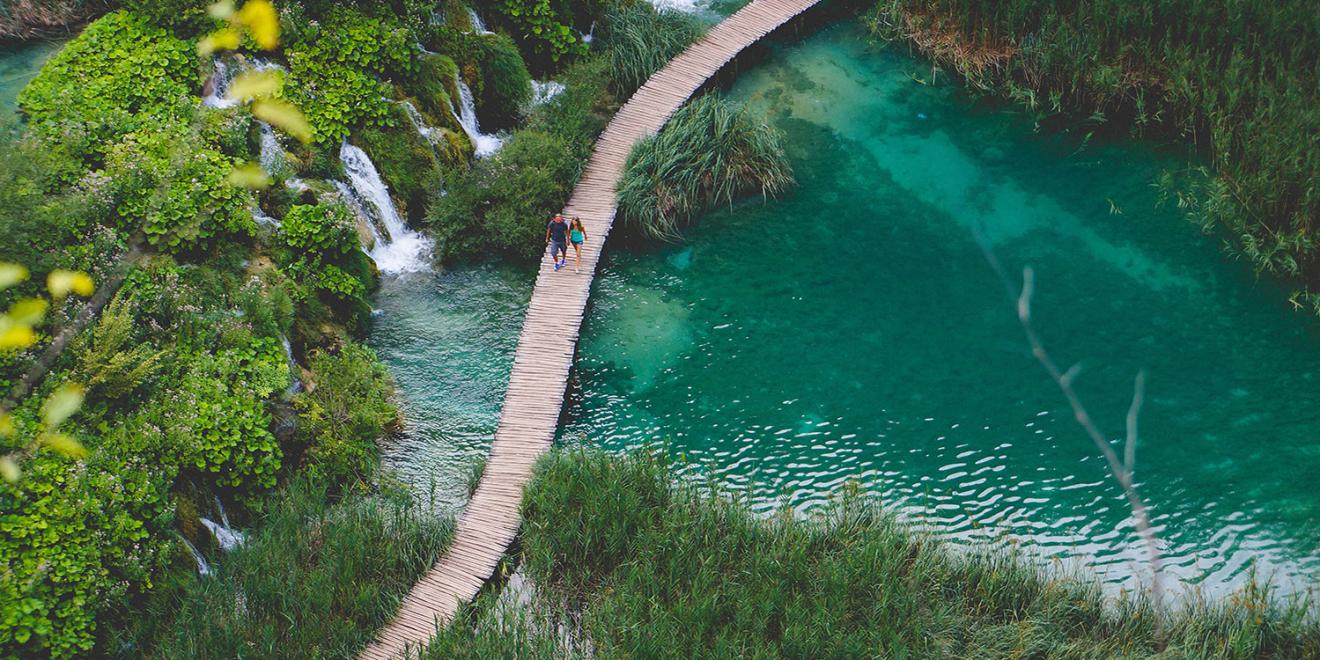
(709, 153)
(506, 85)
(119, 76)
(545, 28)
(187, 16)
(174, 187)
(315, 580)
(323, 251)
(502, 204)
(347, 410)
(436, 87)
(640, 40)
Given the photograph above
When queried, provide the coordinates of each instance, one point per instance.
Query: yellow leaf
(226, 39)
(6, 425)
(9, 469)
(64, 444)
(16, 335)
(62, 282)
(249, 175)
(252, 85)
(63, 402)
(221, 11)
(284, 115)
(28, 312)
(263, 23)
(11, 274)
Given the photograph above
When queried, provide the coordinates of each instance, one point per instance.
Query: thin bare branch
(1130, 447)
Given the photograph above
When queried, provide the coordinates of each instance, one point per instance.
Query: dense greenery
(1238, 79)
(315, 581)
(639, 40)
(711, 151)
(640, 567)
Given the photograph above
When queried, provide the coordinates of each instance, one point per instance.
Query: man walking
(556, 236)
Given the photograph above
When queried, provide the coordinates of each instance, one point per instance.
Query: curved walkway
(549, 336)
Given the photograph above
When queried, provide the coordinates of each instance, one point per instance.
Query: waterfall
(219, 85)
(419, 122)
(272, 155)
(398, 248)
(296, 385)
(226, 536)
(263, 219)
(477, 25)
(542, 92)
(203, 568)
(467, 118)
(590, 35)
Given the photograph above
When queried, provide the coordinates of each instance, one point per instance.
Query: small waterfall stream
(467, 118)
(398, 249)
(226, 536)
(419, 122)
(542, 92)
(478, 26)
(203, 568)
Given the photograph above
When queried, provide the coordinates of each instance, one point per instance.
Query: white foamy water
(542, 92)
(685, 6)
(203, 568)
(419, 122)
(272, 155)
(225, 73)
(398, 249)
(478, 25)
(467, 118)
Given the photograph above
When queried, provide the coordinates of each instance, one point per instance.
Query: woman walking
(577, 235)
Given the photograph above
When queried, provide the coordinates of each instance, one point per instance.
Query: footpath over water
(549, 336)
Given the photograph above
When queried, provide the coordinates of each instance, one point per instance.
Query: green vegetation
(315, 581)
(1237, 79)
(641, 567)
(640, 40)
(710, 152)
(506, 86)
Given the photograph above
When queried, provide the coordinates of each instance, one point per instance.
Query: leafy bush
(186, 16)
(710, 152)
(506, 86)
(538, 25)
(314, 581)
(323, 251)
(119, 76)
(503, 202)
(640, 40)
(174, 187)
(348, 409)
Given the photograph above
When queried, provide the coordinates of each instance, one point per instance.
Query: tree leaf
(28, 312)
(224, 39)
(262, 22)
(249, 175)
(9, 469)
(284, 115)
(63, 402)
(11, 274)
(253, 85)
(61, 282)
(63, 443)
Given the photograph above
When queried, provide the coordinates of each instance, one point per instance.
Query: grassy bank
(1235, 80)
(645, 568)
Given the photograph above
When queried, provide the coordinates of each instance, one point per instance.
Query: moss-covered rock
(405, 159)
(506, 86)
(436, 89)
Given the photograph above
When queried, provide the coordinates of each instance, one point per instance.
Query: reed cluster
(645, 567)
(1237, 80)
(640, 39)
(711, 152)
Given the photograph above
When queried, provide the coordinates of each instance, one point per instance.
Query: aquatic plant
(640, 566)
(640, 39)
(1235, 79)
(711, 151)
(315, 579)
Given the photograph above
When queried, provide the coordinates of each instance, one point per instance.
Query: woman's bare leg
(577, 255)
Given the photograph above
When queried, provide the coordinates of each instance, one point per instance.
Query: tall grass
(1236, 78)
(653, 569)
(710, 152)
(640, 39)
(314, 581)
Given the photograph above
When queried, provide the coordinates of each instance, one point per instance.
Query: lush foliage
(506, 86)
(323, 251)
(1236, 78)
(343, 414)
(639, 40)
(502, 203)
(648, 568)
(538, 24)
(315, 581)
(406, 160)
(120, 75)
(711, 151)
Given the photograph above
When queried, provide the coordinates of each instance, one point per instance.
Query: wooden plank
(547, 344)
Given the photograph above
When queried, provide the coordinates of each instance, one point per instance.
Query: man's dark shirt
(558, 231)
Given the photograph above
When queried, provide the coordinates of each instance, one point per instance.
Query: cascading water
(295, 384)
(398, 249)
(467, 118)
(542, 92)
(418, 122)
(478, 26)
(272, 156)
(203, 568)
(226, 536)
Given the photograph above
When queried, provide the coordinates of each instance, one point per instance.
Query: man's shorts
(557, 247)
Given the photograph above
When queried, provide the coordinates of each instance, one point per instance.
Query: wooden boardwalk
(549, 336)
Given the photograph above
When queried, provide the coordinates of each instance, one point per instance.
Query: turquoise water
(18, 65)
(853, 331)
